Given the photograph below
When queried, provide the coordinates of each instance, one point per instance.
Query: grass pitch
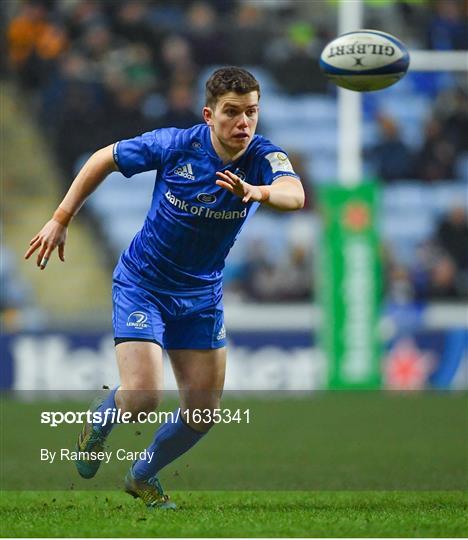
(237, 514)
(333, 465)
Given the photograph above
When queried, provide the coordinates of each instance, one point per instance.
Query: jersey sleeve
(142, 153)
(275, 164)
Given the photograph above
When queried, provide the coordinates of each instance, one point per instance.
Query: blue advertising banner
(257, 360)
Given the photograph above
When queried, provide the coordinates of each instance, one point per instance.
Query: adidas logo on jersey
(185, 171)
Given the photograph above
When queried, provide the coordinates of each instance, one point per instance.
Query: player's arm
(54, 232)
(285, 193)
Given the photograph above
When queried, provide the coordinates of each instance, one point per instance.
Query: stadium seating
(121, 205)
(410, 212)
(307, 125)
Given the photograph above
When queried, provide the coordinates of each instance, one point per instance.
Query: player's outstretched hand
(52, 235)
(247, 192)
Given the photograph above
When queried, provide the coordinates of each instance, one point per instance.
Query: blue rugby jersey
(192, 223)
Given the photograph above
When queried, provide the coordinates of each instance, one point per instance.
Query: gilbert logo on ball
(365, 60)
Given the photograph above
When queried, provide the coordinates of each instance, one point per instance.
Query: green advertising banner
(349, 284)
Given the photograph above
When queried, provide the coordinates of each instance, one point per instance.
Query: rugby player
(167, 286)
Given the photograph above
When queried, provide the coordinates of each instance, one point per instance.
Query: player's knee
(202, 426)
(202, 416)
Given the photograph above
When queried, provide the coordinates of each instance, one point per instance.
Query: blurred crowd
(439, 270)
(99, 71)
(264, 278)
(17, 303)
(114, 69)
(445, 143)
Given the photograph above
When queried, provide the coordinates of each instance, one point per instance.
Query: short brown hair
(229, 79)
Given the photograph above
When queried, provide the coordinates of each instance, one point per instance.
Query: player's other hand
(247, 192)
(52, 235)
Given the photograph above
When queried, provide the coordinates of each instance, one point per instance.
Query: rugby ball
(365, 60)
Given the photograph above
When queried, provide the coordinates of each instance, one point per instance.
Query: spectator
(441, 265)
(452, 236)
(74, 104)
(436, 159)
(293, 60)
(259, 280)
(391, 157)
(125, 109)
(248, 36)
(168, 17)
(131, 64)
(132, 22)
(179, 111)
(72, 69)
(34, 44)
(205, 35)
(452, 239)
(82, 15)
(443, 285)
(452, 109)
(293, 276)
(287, 280)
(96, 44)
(425, 257)
(80, 113)
(178, 65)
(397, 278)
(447, 29)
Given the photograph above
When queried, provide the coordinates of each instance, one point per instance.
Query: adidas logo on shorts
(185, 171)
(221, 334)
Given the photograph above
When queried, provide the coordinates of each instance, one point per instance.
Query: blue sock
(171, 441)
(108, 403)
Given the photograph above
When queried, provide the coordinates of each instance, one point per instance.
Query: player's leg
(196, 344)
(138, 330)
(141, 381)
(200, 378)
(141, 375)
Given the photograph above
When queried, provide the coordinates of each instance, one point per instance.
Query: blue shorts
(170, 320)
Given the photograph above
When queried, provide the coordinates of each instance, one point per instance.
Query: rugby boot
(90, 440)
(149, 491)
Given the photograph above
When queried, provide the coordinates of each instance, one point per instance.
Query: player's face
(234, 120)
